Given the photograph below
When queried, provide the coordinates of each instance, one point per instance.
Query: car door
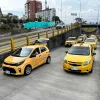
(92, 51)
(44, 54)
(35, 61)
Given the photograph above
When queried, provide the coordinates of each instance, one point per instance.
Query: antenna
(45, 4)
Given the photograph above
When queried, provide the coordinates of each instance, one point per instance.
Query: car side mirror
(66, 51)
(33, 55)
(94, 54)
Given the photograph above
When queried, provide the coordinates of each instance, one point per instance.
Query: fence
(13, 43)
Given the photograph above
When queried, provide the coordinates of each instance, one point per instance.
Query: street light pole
(80, 10)
(61, 10)
(80, 16)
(97, 20)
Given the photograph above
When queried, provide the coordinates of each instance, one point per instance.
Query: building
(32, 7)
(46, 14)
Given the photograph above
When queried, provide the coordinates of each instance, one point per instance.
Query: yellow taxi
(24, 59)
(95, 37)
(79, 58)
(81, 38)
(70, 41)
(92, 42)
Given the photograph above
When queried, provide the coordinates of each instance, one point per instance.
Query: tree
(15, 21)
(5, 27)
(20, 21)
(56, 19)
(4, 20)
(78, 20)
(40, 19)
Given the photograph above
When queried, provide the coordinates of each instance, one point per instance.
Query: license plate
(7, 72)
(74, 68)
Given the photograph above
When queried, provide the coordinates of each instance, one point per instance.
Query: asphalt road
(51, 82)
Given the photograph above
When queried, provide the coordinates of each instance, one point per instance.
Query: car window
(36, 51)
(41, 41)
(77, 50)
(43, 49)
(22, 52)
(90, 40)
(71, 38)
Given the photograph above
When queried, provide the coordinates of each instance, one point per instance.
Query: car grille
(9, 69)
(75, 70)
(10, 64)
(69, 42)
(74, 63)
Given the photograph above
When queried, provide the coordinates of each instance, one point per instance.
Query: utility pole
(97, 19)
(45, 8)
(61, 10)
(80, 17)
(45, 4)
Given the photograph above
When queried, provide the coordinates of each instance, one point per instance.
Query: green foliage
(5, 27)
(56, 19)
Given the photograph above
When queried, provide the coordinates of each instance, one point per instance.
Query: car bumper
(80, 69)
(14, 70)
(69, 44)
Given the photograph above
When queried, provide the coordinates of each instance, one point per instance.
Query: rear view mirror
(66, 51)
(94, 54)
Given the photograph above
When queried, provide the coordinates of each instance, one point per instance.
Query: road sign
(73, 14)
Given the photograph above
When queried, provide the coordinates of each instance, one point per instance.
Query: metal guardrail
(13, 43)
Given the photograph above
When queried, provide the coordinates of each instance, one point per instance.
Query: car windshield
(75, 50)
(90, 40)
(22, 52)
(41, 41)
(71, 38)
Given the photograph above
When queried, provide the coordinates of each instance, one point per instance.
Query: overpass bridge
(89, 25)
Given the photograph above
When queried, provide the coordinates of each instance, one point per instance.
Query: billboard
(31, 25)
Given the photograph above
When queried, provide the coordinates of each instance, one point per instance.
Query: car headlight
(86, 63)
(65, 61)
(20, 63)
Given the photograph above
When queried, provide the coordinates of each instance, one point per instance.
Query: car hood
(76, 58)
(90, 43)
(12, 59)
(71, 41)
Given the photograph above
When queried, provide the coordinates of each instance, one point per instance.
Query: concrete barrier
(60, 39)
(54, 42)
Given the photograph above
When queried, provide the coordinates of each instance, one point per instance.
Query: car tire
(91, 70)
(28, 70)
(48, 60)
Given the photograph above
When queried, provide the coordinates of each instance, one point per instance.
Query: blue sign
(31, 25)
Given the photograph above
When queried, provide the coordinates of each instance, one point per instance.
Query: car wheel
(65, 45)
(28, 70)
(48, 60)
(91, 70)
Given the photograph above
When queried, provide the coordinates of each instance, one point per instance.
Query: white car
(60, 26)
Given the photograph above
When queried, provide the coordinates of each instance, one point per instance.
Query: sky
(89, 8)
